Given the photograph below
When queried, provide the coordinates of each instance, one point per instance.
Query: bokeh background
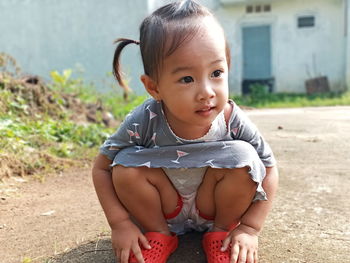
(279, 43)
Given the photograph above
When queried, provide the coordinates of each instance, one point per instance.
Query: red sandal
(212, 243)
(161, 248)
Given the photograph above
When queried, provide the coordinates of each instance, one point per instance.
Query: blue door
(256, 57)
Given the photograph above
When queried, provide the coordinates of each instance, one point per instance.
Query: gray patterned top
(145, 139)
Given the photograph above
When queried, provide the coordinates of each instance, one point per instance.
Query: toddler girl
(188, 158)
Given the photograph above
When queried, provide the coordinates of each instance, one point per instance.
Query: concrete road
(310, 221)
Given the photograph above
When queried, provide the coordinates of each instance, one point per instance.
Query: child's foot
(161, 248)
(212, 243)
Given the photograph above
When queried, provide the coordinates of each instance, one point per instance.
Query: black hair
(162, 33)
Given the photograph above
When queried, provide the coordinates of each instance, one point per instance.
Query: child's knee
(128, 176)
(240, 175)
(233, 174)
(124, 176)
(245, 150)
(248, 164)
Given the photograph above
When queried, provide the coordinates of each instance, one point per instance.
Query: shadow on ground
(189, 250)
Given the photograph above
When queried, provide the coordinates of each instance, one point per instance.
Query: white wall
(347, 68)
(154, 4)
(45, 35)
(295, 51)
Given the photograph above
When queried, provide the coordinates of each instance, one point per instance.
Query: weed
(27, 260)
(260, 97)
(44, 128)
(8, 66)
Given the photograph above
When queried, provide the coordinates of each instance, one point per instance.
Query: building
(285, 42)
(46, 35)
(281, 43)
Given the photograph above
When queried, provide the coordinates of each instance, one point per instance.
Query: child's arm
(244, 238)
(125, 234)
(256, 214)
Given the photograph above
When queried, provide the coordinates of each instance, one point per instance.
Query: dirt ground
(60, 219)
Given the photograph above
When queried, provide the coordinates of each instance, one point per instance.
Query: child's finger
(250, 256)
(256, 258)
(144, 242)
(124, 256)
(242, 255)
(137, 253)
(234, 253)
(117, 254)
(226, 243)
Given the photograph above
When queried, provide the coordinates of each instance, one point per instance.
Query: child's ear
(150, 86)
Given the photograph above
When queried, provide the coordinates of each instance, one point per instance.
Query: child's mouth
(205, 111)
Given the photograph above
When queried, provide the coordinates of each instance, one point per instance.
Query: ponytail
(122, 42)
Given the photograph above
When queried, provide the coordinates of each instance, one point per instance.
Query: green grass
(49, 140)
(260, 98)
(112, 100)
(62, 138)
(39, 138)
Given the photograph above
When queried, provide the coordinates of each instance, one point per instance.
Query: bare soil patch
(60, 219)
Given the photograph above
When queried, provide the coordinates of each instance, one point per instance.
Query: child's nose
(206, 91)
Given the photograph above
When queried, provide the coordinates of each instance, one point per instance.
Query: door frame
(264, 22)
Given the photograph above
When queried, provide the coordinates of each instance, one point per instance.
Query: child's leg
(147, 194)
(225, 194)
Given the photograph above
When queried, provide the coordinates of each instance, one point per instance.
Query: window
(249, 9)
(257, 8)
(306, 21)
(267, 8)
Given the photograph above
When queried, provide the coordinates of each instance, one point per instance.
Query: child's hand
(244, 241)
(126, 237)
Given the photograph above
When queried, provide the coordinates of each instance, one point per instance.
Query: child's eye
(216, 73)
(187, 79)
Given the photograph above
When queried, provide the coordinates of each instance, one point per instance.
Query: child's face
(193, 83)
